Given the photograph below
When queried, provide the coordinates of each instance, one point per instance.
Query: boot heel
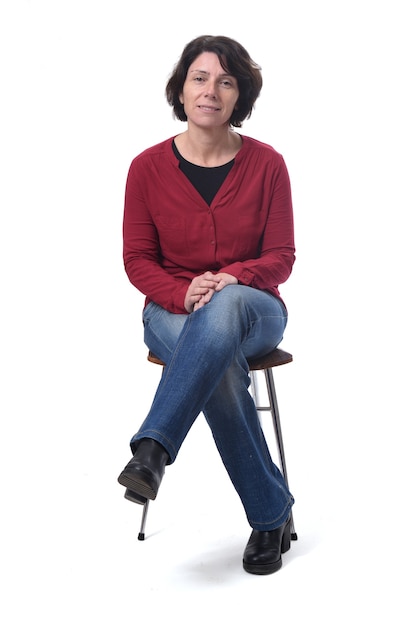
(286, 537)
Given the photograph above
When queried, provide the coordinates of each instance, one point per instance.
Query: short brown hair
(234, 59)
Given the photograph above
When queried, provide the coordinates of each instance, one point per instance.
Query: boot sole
(139, 483)
(264, 568)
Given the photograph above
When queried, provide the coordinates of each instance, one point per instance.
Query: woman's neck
(208, 149)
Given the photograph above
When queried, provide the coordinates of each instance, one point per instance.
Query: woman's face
(209, 93)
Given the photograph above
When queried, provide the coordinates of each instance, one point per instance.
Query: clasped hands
(203, 287)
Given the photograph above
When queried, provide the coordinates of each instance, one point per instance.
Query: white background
(82, 92)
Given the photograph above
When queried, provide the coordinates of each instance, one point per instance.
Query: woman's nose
(211, 90)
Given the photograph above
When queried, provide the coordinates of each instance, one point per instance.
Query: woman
(208, 238)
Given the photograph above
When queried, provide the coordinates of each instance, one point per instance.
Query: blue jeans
(206, 371)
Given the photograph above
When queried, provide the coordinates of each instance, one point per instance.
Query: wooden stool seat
(272, 359)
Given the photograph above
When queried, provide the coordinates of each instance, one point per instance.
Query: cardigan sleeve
(273, 265)
(141, 251)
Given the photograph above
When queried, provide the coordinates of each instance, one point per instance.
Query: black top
(207, 180)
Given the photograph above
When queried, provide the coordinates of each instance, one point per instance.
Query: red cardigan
(170, 234)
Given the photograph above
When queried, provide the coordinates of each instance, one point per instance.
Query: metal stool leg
(273, 407)
(141, 536)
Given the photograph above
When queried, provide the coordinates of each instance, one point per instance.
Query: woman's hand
(202, 287)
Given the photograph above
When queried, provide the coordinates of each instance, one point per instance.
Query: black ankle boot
(144, 472)
(263, 551)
